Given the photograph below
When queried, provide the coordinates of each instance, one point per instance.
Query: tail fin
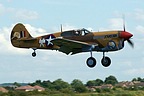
(19, 32)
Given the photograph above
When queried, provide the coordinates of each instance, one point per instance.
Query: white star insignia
(49, 41)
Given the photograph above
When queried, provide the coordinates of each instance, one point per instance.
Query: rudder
(19, 32)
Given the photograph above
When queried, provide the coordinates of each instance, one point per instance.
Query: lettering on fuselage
(106, 36)
(110, 36)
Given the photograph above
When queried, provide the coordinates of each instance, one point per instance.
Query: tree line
(76, 85)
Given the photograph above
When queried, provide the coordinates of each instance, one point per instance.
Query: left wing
(67, 46)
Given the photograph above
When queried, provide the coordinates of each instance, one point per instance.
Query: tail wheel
(91, 62)
(106, 61)
(34, 54)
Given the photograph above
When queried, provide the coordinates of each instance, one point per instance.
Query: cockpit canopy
(79, 32)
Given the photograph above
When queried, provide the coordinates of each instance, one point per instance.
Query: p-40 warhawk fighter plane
(73, 41)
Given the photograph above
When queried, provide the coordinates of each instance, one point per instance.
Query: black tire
(34, 54)
(91, 62)
(106, 62)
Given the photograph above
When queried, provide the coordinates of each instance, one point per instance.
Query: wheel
(34, 54)
(106, 61)
(91, 62)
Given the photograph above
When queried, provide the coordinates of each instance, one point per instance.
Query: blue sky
(45, 16)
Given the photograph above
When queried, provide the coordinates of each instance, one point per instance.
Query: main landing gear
(91, 61)
(34, 53)
(106, 61)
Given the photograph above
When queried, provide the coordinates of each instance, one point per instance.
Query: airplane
(73, 42)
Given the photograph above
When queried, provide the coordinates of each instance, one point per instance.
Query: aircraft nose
(125, 35)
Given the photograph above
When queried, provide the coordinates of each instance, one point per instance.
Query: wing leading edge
(71, 46)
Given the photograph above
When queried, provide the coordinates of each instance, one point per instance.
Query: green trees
(78, 86)
(99, 82)
(75, 86)
(96, 82)
(91, 83)
(47, 84)
(111, 80)
(138, 79)
(59, 84)
(62, 86)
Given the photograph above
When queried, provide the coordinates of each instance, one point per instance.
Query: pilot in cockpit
(82, 32)
(77, 33)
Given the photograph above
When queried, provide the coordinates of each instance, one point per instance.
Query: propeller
(130, 43)
(126, 35)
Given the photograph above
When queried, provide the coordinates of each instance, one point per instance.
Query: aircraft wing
(71, 46)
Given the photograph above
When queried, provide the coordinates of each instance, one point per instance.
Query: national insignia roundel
(48, 39)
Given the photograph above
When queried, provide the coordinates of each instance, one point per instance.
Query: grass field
(122, 93)
(117, 92)
(114, 93)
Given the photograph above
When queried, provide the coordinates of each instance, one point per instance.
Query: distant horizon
(65, 81)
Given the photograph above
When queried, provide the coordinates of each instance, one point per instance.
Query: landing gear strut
(91, 61)
(34, 53)
(106, 61)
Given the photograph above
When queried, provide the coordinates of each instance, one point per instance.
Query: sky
(45, 16)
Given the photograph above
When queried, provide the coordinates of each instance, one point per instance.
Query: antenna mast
(61, 28)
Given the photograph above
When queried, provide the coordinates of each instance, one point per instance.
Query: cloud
(9, 0)
(65, 27)
(22, 14)
(139, 14)
(135, 71)
(138, 34)
(26, 14)
(116, 23)
(35, 31)
(2, 9)
(140, 29)
(6, 46)
(113, 24)
(68, 27)
(5, 43)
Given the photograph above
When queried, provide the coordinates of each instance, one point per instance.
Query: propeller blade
(124, 23)
(131, 43)
(124, 28)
